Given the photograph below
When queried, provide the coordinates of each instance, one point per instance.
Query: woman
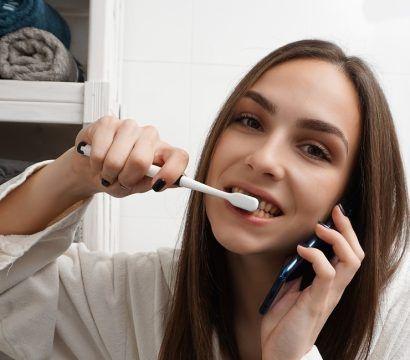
(261, 155)
(306, 127)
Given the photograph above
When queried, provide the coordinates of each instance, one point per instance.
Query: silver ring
(124, 187)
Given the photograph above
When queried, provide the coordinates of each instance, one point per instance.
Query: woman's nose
(268, 159)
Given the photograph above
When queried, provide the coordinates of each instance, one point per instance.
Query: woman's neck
(251, 277)
(249, 341)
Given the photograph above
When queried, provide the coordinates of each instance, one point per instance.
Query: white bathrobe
(58, 300)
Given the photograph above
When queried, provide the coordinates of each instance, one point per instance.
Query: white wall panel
(158, 30)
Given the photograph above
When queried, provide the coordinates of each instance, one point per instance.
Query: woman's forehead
(312, 83)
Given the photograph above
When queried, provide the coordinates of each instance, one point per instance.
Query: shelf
(73, 6)
(41, 101)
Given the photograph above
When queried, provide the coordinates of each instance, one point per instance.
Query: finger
(102, 135)
(285, 288)
(280, 307)
(346, 263)
(119, 150)
(334, 261)
(140, 159)
(175, 163)
(121, 190)
(341, 247)
(343, 244)
(289, 287)
(344, 226)
(322, 283)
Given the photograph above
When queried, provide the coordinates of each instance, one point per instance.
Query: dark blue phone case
(296, 267)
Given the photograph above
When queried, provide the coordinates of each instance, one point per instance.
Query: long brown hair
(201, 301)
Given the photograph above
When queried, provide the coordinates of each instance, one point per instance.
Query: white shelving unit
(96, 33)
(41, 102)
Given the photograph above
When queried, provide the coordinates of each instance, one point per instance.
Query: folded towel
(81, 73)
(33, 13)
(37, 55)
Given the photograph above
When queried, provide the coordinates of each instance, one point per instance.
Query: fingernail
(341, 209)
(79, 146)
(326, 226)
(105, 183)
(159, 184)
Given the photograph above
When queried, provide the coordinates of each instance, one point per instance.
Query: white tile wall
(182, 58)
(240, 32)
(158, 31)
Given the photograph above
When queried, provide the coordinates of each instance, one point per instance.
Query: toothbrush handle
(183, 181)
(187, 182)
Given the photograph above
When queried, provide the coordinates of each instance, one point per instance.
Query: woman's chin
(242, 246)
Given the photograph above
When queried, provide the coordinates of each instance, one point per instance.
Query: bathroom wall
(182, 58)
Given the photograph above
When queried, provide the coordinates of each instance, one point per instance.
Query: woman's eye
(248, 120)
(318, 152)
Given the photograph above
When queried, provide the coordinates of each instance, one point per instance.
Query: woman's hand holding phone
(122, 152)
(291, 326)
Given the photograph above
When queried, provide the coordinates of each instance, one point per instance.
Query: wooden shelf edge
(41, 91)
(41, 112)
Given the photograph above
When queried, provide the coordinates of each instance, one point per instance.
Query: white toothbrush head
(243, 201)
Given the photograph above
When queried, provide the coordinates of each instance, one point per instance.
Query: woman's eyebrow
(305, 123)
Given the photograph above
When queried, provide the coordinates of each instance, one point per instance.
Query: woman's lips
(248, 217)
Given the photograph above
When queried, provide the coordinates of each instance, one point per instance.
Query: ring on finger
(124, 187)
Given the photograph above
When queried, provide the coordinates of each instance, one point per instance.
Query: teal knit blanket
(33, 13)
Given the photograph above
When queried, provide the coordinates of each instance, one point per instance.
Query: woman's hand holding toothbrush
(122, 158)
(121, 154)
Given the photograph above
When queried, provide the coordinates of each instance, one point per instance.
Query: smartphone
(297, 266)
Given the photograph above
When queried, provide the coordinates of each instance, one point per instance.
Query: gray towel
(34, 54)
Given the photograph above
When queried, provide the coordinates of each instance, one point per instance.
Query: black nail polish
(79, 146)
(323, 224)
(341, 208)
(159, 184)
(177, 182)
(105, 183)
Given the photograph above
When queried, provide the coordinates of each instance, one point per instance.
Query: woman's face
(274, 143)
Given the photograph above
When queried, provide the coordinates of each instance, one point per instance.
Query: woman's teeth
(265, 210)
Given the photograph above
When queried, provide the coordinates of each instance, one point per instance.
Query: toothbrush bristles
(244, 202)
